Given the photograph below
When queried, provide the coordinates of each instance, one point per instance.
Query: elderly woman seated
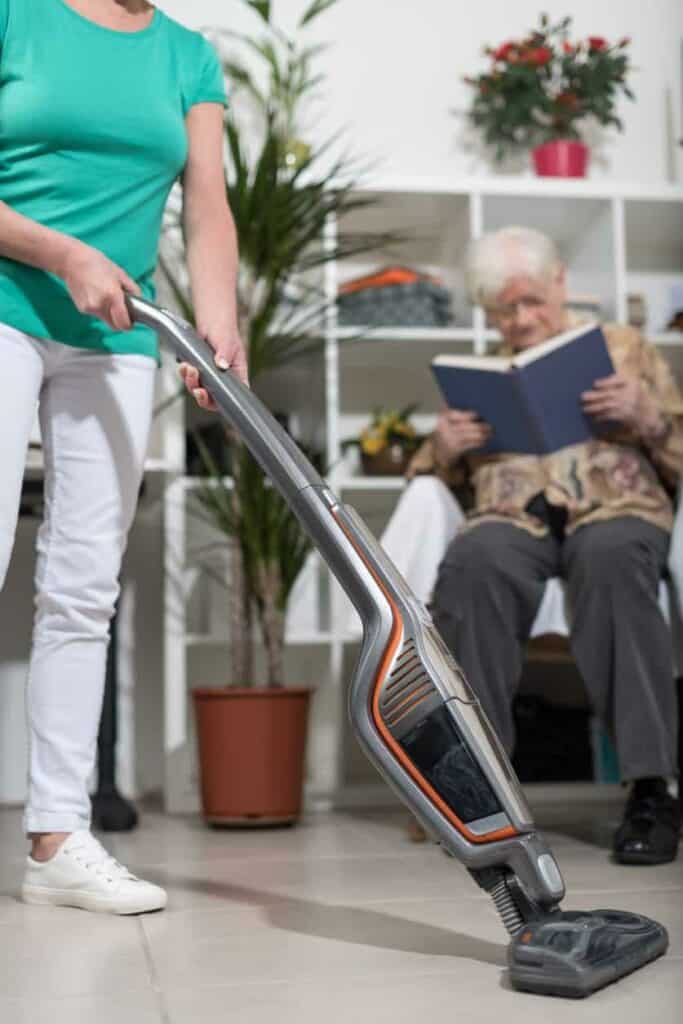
(599, 514)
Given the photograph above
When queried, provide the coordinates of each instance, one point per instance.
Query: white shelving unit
(614, 240)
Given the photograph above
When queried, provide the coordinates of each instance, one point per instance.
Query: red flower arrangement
(538, 88)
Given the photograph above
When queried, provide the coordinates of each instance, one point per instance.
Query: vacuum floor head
(573, 952)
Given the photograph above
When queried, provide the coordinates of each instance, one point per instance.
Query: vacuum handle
(268, 442)
(302, 488)
(347, 551)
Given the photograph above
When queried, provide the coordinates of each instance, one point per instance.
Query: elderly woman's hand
(457, 432)
(623, 399)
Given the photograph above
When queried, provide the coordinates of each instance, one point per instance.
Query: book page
(546, 347)
(499, 364)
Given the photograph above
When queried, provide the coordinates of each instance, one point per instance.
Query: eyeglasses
(509, 309)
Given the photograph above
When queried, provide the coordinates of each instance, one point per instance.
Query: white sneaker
(82, 874)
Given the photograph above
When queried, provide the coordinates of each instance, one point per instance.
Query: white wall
(394, 71)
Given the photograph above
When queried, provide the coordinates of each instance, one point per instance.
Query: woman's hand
(97, 285)
(229, 355)
(458, 432)
(623, 399)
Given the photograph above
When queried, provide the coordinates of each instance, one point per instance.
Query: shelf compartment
(295, 639)
(412, 334)
(582, 229)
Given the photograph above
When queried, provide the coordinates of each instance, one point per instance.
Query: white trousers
(95, 414)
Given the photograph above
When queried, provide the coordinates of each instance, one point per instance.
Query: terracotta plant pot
(252, 746)
(562, 158)
(391, 461)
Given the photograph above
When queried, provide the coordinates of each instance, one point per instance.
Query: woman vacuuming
(93, 133)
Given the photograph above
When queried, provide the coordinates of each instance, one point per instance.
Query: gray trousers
(489, 588)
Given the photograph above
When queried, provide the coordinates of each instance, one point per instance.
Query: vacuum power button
(550, 873)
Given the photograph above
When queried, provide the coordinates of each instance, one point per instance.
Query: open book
(532, 401)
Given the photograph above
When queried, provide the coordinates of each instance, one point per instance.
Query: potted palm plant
(251, 737)
(539, 90)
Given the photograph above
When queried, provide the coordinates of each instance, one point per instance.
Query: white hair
(492, 260)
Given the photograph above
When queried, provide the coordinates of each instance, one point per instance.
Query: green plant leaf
(179, 295)
(408, 411)
(168, 401)
(240, 77)
(280, 217)
(262, 8)
(316, 8)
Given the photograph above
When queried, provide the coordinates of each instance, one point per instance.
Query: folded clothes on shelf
(394, 297)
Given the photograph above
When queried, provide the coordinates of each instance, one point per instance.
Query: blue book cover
(532, 400)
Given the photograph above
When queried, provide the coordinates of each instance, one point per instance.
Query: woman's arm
(27, 241)
(95, 284)
(211, 245)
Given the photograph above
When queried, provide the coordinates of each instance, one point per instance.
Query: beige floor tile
(589, 869)
(665, 907)
(341, 918)
(475, 993)
(171, 841)
(400, 875)
(303, 940)
(297, 938)
(351, 880)
(120, 1008)
(57, 951)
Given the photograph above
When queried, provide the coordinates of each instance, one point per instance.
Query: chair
(417, 555)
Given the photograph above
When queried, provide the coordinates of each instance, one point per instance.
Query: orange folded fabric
(382, 278)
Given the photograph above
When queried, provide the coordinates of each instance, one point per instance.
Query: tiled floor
(341, 919)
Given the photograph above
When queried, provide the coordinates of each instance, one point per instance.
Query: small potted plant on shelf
(251, 737)
(388, 442)
(538, 90)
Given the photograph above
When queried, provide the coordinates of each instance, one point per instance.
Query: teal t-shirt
(92, 138)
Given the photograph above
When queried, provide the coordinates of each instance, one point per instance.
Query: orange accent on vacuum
(396, 749)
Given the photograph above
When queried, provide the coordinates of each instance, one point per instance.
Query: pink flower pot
(562, 158)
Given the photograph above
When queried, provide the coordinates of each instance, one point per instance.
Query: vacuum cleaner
(421, 725)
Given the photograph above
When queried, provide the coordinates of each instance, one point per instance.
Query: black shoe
(649, 832)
